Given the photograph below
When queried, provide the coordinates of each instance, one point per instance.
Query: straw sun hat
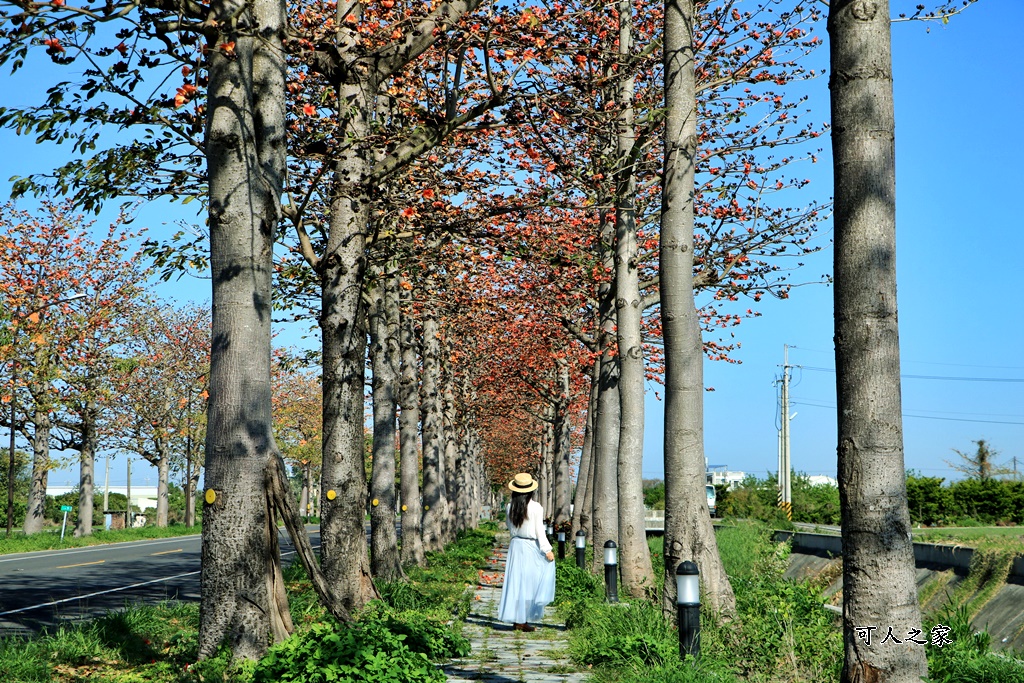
(522, 483)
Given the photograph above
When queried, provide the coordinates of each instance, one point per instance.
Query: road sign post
(65, 509)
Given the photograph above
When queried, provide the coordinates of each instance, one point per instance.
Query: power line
(924, 362)
(939, 377)
(922, 417)
(815, 402)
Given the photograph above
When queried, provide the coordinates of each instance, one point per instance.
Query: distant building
(822, 480)
(720, 475)
(142, 496)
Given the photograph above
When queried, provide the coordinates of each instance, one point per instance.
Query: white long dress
(529, 577)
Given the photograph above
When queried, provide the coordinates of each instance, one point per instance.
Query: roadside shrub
(967, 658)
(435, 633)
(784, 627)
(367, 653)
(460, 560)
(634, 635)
(758, 499)
(673, 672)
(573, 583)
(968, 502)
(427, 590)
(24, 660)
(654, 494)
(576, 590)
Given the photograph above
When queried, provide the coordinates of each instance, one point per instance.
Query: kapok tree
(110, 279)
(873, 497)
(492, 292)
(239, 169)
(360, 51)
(45, 260)
(298, 422)
(744, 52)
(164, 367)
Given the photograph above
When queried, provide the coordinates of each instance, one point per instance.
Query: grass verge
(50, 540)
(781, 631)
(780, 634)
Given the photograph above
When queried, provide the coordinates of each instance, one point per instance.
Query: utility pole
(106, 487)
(128, 514)
(785, 467)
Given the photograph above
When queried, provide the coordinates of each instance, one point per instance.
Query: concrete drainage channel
(940, 569)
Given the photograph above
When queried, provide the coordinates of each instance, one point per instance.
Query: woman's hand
(550, 555)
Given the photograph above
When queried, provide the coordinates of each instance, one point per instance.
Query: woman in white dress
(530, 565)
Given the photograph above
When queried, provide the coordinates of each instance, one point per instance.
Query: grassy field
(50, 539)
(1007, 538)
(971, 532)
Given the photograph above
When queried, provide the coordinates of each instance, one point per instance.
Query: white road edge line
(113, 590)
(31, 554)
(92, 595)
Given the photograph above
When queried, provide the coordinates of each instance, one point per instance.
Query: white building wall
(142, 496)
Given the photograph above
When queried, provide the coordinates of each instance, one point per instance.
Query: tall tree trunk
(35, 512)
(384, 355)
(343, 266)
(190, 499)
(689, 534)
(245, 150)
(583, 499)
(87, 469)
(879, 587)
(191, 470)
(409, 419)
(634, 555)
(473, 476)
(606, 477)
(304, 492)
(451, 450)
(560, 464)
(543, 482)
(464, 493)
(343, 481)
(163, 475)
(434, 500)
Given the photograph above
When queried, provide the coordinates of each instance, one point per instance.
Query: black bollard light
(611, 571)
(688, 606)
(561, 545)
(581, 549)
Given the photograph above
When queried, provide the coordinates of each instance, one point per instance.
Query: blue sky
(958, 92)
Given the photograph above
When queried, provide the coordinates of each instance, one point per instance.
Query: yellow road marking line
(83, 564)
(167, 552)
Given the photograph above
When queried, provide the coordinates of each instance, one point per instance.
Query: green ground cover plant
(370, 653)
(398, 639)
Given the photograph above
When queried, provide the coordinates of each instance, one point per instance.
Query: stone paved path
(502, 655)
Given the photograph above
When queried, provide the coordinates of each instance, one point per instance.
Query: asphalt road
(41, 589)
